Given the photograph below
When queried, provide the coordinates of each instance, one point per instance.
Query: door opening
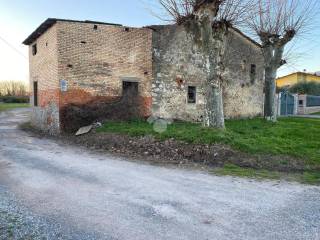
(35, 94)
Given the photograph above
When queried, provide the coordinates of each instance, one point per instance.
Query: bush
(74, 116)
(14, 99)
(309, 88)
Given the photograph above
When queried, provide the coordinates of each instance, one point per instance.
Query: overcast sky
(18, 18)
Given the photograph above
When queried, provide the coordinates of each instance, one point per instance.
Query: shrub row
(14, 99)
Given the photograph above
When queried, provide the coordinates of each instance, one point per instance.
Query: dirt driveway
(53, 191)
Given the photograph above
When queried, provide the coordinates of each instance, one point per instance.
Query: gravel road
(53, 191)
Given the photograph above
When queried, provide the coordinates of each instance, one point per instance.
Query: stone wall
(44, 70)
(177, 65)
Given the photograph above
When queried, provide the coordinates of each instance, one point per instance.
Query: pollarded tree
(276, 23)
(207, 22)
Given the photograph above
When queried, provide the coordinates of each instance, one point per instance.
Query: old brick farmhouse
(79, 61)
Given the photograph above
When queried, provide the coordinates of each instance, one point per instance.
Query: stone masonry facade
(177, 66)
(77, 62)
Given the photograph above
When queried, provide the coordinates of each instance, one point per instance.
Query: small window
(253, 69)
(300, 102)
(253, 73)
(95, 27)
(192, 92)
(34, 49)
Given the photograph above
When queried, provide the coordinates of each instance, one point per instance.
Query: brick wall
(44, 70)
(177, 65)
(95, 60)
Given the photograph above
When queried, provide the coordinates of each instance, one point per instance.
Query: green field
(8, 106)
(317, 113)
(296, 137)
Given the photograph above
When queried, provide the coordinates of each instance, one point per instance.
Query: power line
(13, 48)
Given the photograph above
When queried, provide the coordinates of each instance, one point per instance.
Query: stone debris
(84, 130)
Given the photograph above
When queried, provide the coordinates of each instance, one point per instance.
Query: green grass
(297, 137)
(311, 178)
(316, 113)
(307, 177)
(233, 170)
(8, 106)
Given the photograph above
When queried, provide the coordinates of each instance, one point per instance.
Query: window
(95, 27)
(253, 73)
(130, 89)
(300, 102)
(34, 49)
(192, 91)
(35, 94)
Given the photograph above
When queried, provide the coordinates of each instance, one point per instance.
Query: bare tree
(207, 22)
(276, 23)
(13, 88)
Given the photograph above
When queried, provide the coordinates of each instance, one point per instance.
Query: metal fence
(313, 101)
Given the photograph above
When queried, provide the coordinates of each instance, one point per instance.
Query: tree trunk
(273, 61)
(211, 42)
(270, 108)
(214, 114)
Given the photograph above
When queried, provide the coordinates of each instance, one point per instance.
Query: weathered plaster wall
(44, 70)
(178, 65)
(95, 60)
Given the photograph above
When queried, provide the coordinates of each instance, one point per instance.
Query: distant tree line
(14, 92)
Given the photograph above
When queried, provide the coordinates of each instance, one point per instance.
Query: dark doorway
(130, 88)
(35, 94)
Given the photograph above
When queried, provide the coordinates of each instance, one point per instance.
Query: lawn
(297, 137)
(7, 106)
(316, 113)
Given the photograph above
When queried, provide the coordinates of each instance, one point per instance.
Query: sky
(19, 18)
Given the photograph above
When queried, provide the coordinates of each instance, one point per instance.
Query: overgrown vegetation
(74, 116)
(8, 106)
(296, 137)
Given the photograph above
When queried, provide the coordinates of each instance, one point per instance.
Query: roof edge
(51, 21)
(299, 72)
